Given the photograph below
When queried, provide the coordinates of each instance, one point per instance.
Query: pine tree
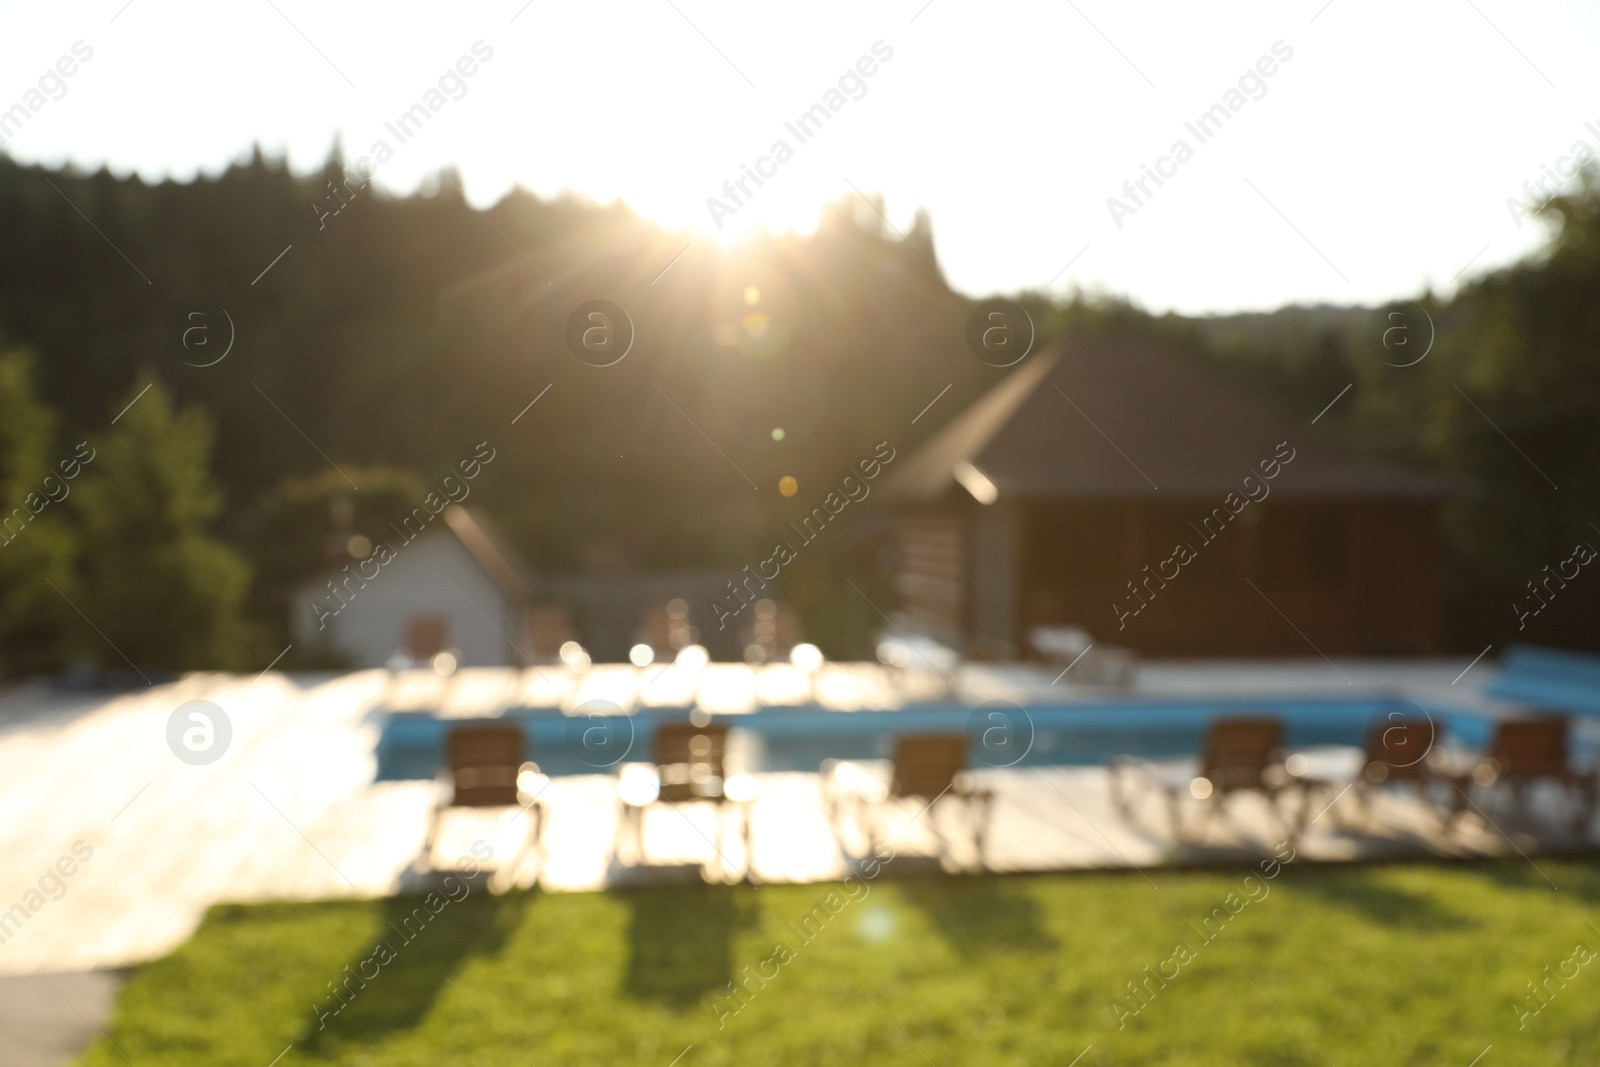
(36, 538)
(163, 591)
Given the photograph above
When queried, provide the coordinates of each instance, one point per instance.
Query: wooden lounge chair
(690, 766)
(930, 768)
(488, 770)
(1399, 752)
(1522, 753)
(1241, 755)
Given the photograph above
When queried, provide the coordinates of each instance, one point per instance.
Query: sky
(1385, 154)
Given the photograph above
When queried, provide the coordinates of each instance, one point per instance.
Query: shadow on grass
(680, 942)
(979, 916)
(1579, 875)
(1384, 905)
(390, 985)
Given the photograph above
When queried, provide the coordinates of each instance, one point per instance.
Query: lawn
(1404, 964)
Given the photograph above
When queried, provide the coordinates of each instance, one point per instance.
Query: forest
(225, 363)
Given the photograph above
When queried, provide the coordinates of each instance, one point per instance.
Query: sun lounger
(1240, 755)
(487, 769)
(1523, 753)
(932, 768)
(1399, 751)
(690, 766)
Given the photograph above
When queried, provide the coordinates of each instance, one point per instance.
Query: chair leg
(746, 810)
(507, 876)
(431, 836)
(622, 831)
(1339, 814)
(1581, 795)
(1176, 815)
(1119, 798)
(1296, 822)
(1302, 819)
(1212, 810)
(536, 837)
(932, 811)
(1362, 801)
(722, 861)
(1449, 805)
(984, 803)
(630, 823)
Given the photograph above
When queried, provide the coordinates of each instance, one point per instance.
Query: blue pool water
(799, 738)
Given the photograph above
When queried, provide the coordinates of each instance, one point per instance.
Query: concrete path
(48, 1020)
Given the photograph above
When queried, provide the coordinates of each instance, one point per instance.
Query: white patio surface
(291, 811)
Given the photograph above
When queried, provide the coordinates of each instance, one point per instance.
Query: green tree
(159, 587)
(36, 542)
(1526, 354)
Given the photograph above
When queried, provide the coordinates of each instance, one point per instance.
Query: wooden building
(1109, 484)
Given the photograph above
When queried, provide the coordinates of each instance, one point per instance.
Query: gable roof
(1129, 418)
(490, 550)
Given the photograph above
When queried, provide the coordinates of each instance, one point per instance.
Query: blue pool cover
(1550, 678)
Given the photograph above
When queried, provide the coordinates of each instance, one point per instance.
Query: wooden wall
(931, 576)
(1355, 577)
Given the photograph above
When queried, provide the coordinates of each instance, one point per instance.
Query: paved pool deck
(292, 810)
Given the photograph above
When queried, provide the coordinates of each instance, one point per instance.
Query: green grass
(1408, 964)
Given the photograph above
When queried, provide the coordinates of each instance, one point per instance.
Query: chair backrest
(690, 759)
(925, 765)
(484, 761)
(1398, 746)
(1531, 746)
(1239, 750)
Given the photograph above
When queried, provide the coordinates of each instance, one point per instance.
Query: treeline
(374, 346)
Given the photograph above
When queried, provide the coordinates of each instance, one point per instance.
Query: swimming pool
(1001, 734)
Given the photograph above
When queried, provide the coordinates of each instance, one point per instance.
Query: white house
(455, 586)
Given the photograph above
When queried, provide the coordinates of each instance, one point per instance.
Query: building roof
(491, 551)
(1130, 418)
